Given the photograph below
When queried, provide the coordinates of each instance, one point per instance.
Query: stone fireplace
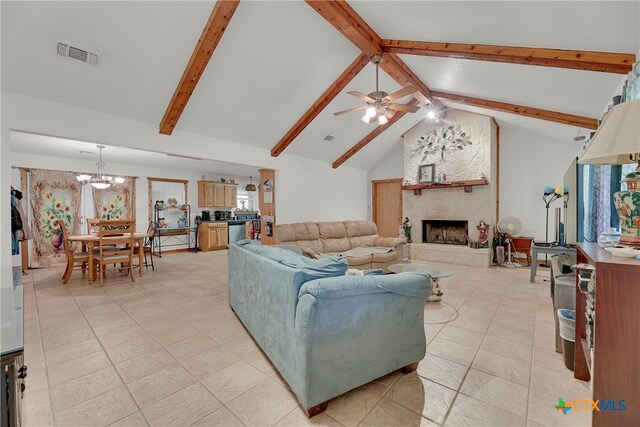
(448, 212)
(445, 232)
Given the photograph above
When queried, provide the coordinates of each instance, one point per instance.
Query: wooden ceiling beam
(371, 136)
(607, 62)
(209, 39)
(339, 14)
(536, 113)
(336, 87)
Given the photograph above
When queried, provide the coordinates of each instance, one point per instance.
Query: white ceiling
(276, 58)
(43, 145)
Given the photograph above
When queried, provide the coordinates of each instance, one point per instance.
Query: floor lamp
(550, 195)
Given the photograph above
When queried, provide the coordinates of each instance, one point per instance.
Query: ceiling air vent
(79, 54)
(329, 138)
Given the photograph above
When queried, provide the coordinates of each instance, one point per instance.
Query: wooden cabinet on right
(213, 236)
(612, 364)
(213, 194)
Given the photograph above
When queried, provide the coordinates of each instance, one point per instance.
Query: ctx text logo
(581, 405)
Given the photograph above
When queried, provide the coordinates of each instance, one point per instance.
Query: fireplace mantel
(467, 184)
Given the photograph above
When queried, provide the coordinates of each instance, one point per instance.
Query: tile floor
(167, 350)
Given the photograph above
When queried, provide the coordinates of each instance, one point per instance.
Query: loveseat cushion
(385, 257)
(333, 236)
(390, 242)
(361, 233)
(355, 261)
(310, 268)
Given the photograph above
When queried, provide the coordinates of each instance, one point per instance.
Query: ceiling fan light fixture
(367, 119)
(431, 114)
(382, 119)
(371, 111)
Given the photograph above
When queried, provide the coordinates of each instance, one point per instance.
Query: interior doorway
(387, 205)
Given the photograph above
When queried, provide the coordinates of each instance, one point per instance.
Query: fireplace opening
(445, 232)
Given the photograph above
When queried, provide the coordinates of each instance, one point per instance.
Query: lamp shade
(616, 138)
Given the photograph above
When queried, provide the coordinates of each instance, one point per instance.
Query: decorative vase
(56, 240)
(627, 205)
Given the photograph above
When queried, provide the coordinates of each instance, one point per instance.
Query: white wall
(307, 189)
(528, 162)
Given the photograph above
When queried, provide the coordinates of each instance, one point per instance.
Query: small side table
(436, 272)
(535, 250)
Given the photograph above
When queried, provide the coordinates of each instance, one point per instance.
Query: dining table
(89, 241)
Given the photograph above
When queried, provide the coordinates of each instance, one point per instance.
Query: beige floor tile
(422, 396)
(264, 404)
(167, 333)
(220, 417)
(298, 418)
(542, 410)
(506, 348)
(109, 326)
(233, 380)
(190, 346)
(145, 364)
(461, 336)
(453, 351)
(210, 361)
(122, 336)
(160, 384)
(53, 341)
(75, 368)
(548, 359)
(78, 390)
(496, 391)
(72, 351)
(101, 410)
(226, 331)
(36, 408)
(442, 371)
(561, 383)
(471, 412)
(63, 323)
(388, 413)
(127, 350)
(350, 408)
(511, 333)
(182, 408)
(134, 420)
(509, 369)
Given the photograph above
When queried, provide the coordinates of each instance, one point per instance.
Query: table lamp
(617, 141)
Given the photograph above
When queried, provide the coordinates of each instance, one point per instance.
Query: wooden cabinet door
(218, 195)
(223, 236)
(230, 196)
(213, 237)
(209, 193)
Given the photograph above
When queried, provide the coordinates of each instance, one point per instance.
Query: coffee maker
(222, 215)
(206, 216)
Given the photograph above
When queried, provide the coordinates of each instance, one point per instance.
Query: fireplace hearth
(445, 232)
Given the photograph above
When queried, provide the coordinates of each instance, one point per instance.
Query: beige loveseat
(358, 241)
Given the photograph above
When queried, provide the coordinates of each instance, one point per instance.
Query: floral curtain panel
(115, 202)
(54, 196)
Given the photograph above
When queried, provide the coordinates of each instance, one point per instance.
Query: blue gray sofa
(326, 333)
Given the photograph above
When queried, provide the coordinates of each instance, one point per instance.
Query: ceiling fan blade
(361, 95)
(402, 107)
(401, 93)
(339, 113)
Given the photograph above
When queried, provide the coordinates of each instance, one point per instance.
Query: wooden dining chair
(75, 260)
(147, 247)
(93, 225)
(115, 247)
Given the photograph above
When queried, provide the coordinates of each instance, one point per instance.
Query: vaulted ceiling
(276, 58)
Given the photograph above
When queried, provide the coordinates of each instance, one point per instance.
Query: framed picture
(427, 173)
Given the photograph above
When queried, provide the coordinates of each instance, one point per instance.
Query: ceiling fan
(379, 104)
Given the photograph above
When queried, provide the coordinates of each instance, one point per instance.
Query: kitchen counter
(11, 300)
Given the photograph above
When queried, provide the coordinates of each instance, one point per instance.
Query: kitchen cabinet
(213, 236)
(212, 194)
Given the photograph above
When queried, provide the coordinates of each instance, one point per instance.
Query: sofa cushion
(361, 233)
(386, 257)
(333, 236)
(310, 268)
(305, 235)
(355, 261)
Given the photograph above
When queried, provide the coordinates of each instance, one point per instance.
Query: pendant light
(250, 186)
(100, 181)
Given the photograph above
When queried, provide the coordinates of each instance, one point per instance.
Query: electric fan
(509, 227)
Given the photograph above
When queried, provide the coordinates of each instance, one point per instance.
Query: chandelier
(250, 186)
(442, 140)
(100, 180)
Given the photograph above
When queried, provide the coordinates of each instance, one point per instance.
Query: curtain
(115, 202)
(54, 196)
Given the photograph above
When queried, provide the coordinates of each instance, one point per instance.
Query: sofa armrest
(411, 284)
(390, 242)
